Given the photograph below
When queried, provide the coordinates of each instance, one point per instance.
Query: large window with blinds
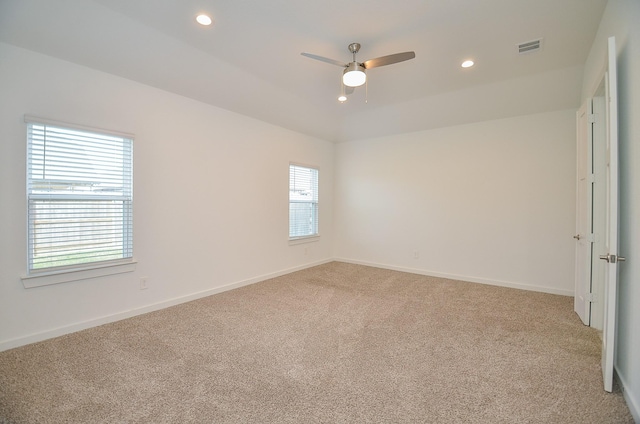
(303, 202)
(80, 197)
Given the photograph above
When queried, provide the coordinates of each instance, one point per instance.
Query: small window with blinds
(303, 202)
(80, 197)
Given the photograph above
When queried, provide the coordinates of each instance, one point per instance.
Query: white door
(611, 236)
(584, 211)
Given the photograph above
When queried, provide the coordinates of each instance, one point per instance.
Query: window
(303, 202)
(80, 197)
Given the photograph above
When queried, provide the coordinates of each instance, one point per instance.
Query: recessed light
(203, 20)
(467, 64)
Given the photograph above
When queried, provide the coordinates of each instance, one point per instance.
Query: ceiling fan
(354, 72)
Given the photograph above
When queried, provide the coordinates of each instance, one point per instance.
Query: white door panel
(584, 208)
(611, 237)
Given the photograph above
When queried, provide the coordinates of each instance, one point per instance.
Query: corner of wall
(632, 402)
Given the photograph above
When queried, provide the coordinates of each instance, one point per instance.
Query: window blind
(80, 197)
(303, 201)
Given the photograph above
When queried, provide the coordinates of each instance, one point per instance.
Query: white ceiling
(249, 61)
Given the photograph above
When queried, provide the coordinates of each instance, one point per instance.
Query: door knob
(577, 237)
(612, 258)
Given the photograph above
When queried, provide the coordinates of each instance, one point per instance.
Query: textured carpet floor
(337, 343)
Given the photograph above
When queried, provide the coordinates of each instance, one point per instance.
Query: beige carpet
(338, 343)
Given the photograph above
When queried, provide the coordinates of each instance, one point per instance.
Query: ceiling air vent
(530, 46)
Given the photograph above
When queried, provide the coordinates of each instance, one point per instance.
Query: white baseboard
(629, 397)
(72, 328)
(466, 278)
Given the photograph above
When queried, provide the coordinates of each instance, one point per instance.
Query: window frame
(308, 237)
(60, 274)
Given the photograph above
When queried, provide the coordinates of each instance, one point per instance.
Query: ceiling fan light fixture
(354, 75)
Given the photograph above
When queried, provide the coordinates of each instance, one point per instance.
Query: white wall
(620, 19)
(490, 202)
(211, 195)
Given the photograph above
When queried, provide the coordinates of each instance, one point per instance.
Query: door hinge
(591, 297)
(591, 117)
(592, 178)
(591, 238)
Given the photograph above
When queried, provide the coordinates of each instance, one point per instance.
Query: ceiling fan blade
(325, 59)
(388, 60)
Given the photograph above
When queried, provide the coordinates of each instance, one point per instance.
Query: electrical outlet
(144, 283)
(306, 251)
(416, 254)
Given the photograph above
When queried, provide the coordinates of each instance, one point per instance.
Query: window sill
(305, 239)
(48, 278)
